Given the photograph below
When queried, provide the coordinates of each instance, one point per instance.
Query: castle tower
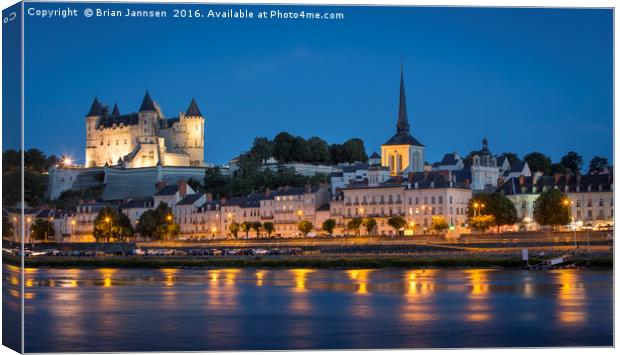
(194, 122)
(92, 121)
(402, 153)
(148, 129)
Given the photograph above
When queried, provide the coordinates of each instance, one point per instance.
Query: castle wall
(111, 144)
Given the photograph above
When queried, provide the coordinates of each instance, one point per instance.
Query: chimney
(160, 185)
(267, 191)
(536, 176)
(522, 180)
(500, 181)
(556, 177)
(209, 196)
(182, 188)
(578, 178)
(308, 188)
(466, 182)
(410, 176)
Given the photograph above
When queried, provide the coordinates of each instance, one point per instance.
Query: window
(523, 204)
(578, 203)
(450, 199)
(432, 200)
(600, 203)
(589, 203)
(440, 199)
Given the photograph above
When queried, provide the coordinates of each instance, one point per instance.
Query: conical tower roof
(115, 111)
(95, 108)
(193, 109)
(147, 103)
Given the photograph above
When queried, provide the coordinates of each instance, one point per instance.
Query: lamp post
(567, 203)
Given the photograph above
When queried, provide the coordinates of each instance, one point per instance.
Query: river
(104, 310)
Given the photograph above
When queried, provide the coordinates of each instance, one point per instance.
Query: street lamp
(567, 203)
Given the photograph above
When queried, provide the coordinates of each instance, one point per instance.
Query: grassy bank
(319, 262)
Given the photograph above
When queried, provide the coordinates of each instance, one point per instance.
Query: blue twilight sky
(528, 79)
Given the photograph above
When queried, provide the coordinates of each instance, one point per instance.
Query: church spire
(403, 123)
(147, 103)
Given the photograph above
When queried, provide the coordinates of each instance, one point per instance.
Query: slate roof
(449, 159)
(289, 191)
(355, 167)
(403, 138)
(375, 155)
(513, 185)
(168, 190)
(108, 121)
(147, 103)
(95, 108)
(115, 111)
(193, 109)
(190, 199)
(138, 203)
(167, 123)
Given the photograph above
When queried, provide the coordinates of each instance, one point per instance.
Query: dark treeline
(287, 148)
(35, 181)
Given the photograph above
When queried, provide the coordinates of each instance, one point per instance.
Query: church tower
(402, 153)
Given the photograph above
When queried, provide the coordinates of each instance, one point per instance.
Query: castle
(144, 139)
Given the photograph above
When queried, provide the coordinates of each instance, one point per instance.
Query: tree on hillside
(305, 227)
(439, 224)
(328, 226)
(538, 162)
(552, 208)
(283, 146)
(319, 150)
(572, 161)
(215, 183)
(269, 228)
(597, 165)
(355, 150)
(396, 222)
(354, 225)
(262, 149)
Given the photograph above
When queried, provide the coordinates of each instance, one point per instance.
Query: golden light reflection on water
(419, 289)
(169, 276)
(260, 275)
(571, 297)
(478, 309)
(300, 276)
(300, 302)
(107, 276)
(361, 279)
(222, 290)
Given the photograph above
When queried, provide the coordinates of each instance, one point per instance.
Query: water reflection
(571, 298)
(419, 289)
(218, 309)
(478, 307)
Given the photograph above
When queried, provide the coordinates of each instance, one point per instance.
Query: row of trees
(287, 148)
(486, 210)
